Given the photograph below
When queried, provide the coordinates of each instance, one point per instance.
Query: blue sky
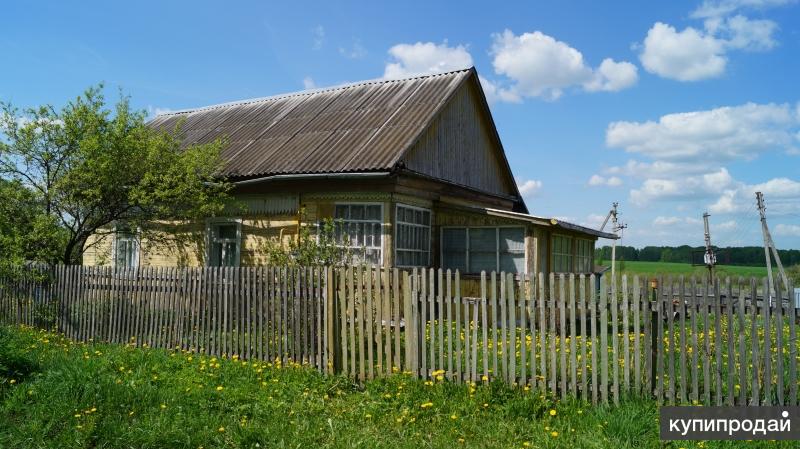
(670, 108)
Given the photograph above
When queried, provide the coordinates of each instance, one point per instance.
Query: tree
(26, 234)
(89, 168)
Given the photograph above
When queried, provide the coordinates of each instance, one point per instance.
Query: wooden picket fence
(677, 340)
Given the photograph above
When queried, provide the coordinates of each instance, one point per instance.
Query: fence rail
(677, 340)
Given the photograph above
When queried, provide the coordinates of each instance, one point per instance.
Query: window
(474, 250)
(360, 229)
(224, 244)
(562, 254)
(412, 237)
(126, 248)
(583, 255)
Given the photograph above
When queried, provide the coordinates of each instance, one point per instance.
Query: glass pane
(482, 261)
(341, 211)
(227, 231)
(512, 263)
(356, 212)
(483, 239)
(374, 212)
(512, 239)
(454, 239)
(229, 254)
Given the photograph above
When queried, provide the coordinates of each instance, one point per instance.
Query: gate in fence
(680, 341)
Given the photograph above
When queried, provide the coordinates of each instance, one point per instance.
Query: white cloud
(745, 34)
(781, 196)
(787, 230)
(667, 221)
(495, 93)
(613, 76)
(688, 55)
(530, 187)
(538, 65)
(308, 83)
(721, 134)
(716, 8)
(682, 188)
(424, 58)
(612, 181)
(696, 54)
(318, 37)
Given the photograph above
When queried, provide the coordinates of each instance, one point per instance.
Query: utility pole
(709, 258)
(769, 245)
(615, 228)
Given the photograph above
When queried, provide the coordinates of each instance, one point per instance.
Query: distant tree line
(743, 255)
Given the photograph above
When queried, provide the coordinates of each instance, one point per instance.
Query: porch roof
(548, 222)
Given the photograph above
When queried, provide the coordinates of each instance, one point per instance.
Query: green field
(636, 267)
(55, 393)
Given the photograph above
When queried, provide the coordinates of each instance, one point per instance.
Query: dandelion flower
(553, 412)
(554, 434)
(221, 429)
(220, 388)
(426, 405)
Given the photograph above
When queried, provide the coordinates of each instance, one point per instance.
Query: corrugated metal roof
(365, 126)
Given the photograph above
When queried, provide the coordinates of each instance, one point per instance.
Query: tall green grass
(55, 393)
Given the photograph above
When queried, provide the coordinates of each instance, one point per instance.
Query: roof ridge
(308, 92)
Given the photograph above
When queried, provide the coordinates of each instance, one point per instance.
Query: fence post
(408, 321)
(332, 336)
(654, 337)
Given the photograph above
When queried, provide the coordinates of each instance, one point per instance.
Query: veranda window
(562, 254)
(583, 255)
(360, 230)
(412, 236)
(477, 249)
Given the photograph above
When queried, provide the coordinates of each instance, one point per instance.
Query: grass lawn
(57, 393)
(674, 268)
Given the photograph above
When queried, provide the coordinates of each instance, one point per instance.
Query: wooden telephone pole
(769, 246)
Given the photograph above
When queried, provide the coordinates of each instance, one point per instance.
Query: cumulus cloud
(689, 187)
(687, 55)
(529, 187)
(538, 65)
(721, 134)
(611, 181)
(695, 54)
(782, 196)
(612, 76)
(425, 58)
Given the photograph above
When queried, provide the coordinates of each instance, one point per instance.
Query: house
(413, 168)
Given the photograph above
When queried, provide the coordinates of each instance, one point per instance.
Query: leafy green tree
(88, 168)
(26, 233)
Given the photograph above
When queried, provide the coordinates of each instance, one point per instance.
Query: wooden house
(413, 169)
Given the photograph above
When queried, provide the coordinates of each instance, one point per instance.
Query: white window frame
(210, 223)
(397, 231)
(115, 248)
(497, 243)
(382, 223)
